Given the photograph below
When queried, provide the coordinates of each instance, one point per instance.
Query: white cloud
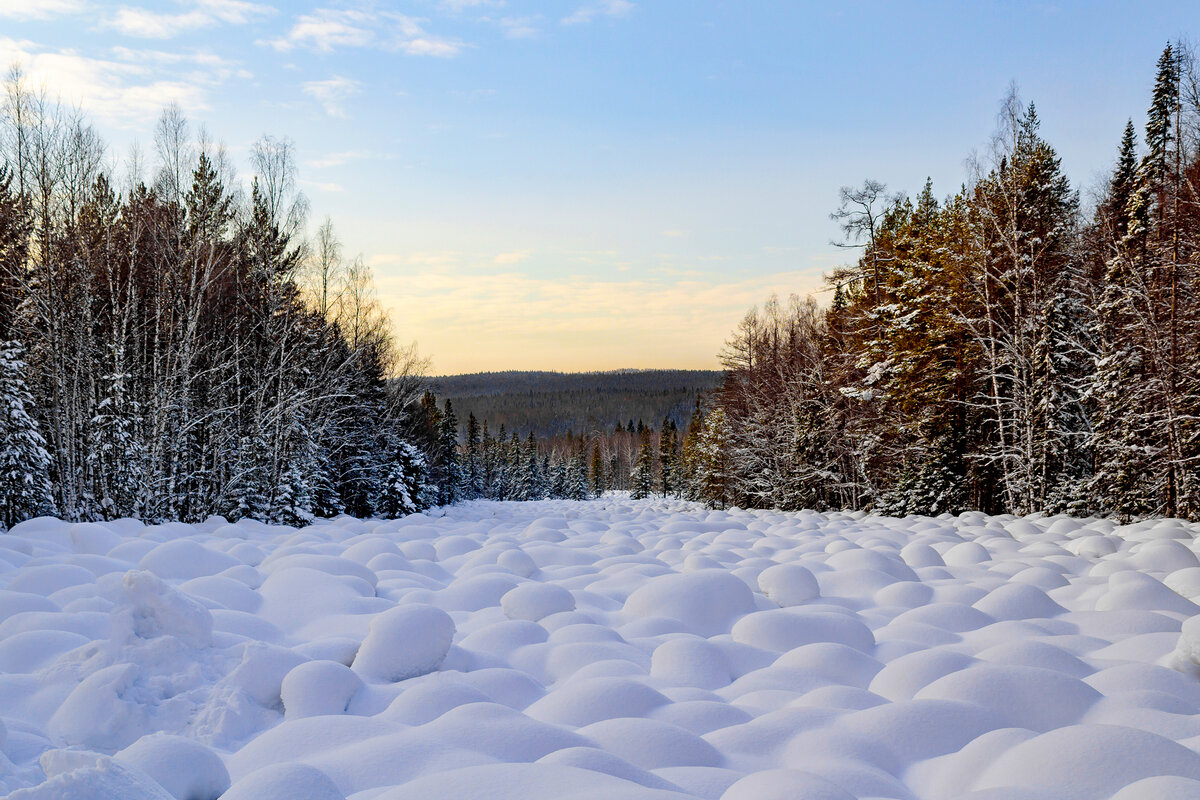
(519, 27)
(331, 93)
(130, 88)
(512, 258)
(604, 8)
(337, 159)
(459, 5)
(39, 9)
(325, 30)
(147, 24)
(334, 188)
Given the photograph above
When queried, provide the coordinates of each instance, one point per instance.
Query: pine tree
(24, 462)
(577, 477)
(407, 488)
(596, 476)
(643, 471)
(450, 473)
(531, 483)
(668, 449)
(117, 455)
(474, 466)
(248, 491)
(558, 485)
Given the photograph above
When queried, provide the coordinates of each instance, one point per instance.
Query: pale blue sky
(594, 184)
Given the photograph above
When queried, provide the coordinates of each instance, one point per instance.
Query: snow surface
(612, 649)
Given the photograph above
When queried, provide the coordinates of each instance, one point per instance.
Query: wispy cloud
(460, 5)
(512, 258)
(326, 30)
(604, 8)
(148, 24)
(519, 27)
(130, 87)
(333, 188)
(332, 93)
(337, 159)
(39, 9)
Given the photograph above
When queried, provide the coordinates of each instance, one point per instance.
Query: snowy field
(607, 650)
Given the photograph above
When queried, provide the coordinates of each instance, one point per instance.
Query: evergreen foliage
(24, 462)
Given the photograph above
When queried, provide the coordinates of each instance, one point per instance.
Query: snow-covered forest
(1003, 349)
(175, 347)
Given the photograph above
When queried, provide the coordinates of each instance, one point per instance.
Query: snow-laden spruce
(637, 650)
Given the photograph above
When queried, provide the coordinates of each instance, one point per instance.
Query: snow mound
(288, 781)
(315, 688)
(405, 642)
(534, 601)
(705, 602)
(788, 584)
(785, 784)
(185, 768)
(1087, 761)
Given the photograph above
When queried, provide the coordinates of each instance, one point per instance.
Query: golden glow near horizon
(509, 320)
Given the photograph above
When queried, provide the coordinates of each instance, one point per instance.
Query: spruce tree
(558, 485)
(598, 483)
(248, 492)
(450, 472)
(577, 476)
(24, 462)
(531, 483)
(668, 450)
(643, 471)
(474, 466)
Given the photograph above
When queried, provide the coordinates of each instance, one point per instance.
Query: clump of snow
(706, 602)
(287, 781)
(788, 584)
(534, 601)
(185, 768)
(405, 642)
(318, 687)
(611, 649)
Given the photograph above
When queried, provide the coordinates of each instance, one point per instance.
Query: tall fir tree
(643, 472)
(24, 463)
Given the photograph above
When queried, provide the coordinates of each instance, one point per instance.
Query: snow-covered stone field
(606, 650)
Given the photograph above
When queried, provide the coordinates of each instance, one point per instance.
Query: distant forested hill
(552, 403)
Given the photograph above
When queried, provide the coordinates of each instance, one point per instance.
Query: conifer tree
(450, 473)
(24, 462)
(598, 482)
(577, 476)
(668, 449)
(643, 472)
(474, 462)
(558, 485)
(531, 482)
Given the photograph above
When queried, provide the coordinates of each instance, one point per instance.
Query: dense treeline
(173, 348)
(473, 461)
(1001, 350)
(553, 404)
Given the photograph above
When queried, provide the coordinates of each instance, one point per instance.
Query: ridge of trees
(553, 404)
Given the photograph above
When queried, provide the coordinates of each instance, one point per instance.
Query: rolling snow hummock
(602, 650)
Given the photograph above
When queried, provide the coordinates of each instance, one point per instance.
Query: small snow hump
(405, 642)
